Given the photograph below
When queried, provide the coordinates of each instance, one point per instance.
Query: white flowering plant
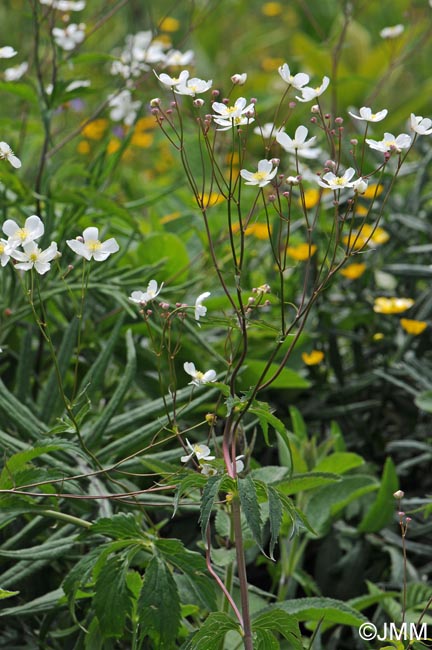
(180, 238)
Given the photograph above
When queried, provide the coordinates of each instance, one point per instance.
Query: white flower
(171, 82)
(239, 464)
(392, 32)
(142, 297)
(309, 93)
(420, 125)
(200, 451)
(208, 470)
(239, 79)
(263, 176)
(6, 153)
(123, 108)
(65, 5)
(91, 247)
(367, 115)
(360, 185)
(15, 72)
(200, 309)
(390, 143)
(5, 251)
(193, 86)
(198, 377)
(299, 145)
(266, 130)
(34, 257)
(68, 38)
(333, 182)
(177, 58)
(235, 115)
(74, 85)
(297, 81)
(33, 229)
(7, 52)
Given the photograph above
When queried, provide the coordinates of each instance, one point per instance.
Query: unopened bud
(198, 103)
(275, 161)
(399, 494)
(239, 79)
(155, 102)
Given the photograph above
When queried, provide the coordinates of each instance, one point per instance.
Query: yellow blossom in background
(271, 9)
(377, 235)
(301, 252)
(269, 63)
(145, 123)
(311, 198)
(258, 230)
(169, 24)
(113, 145)
(378, 336)
(393, 305)
(373, 191)
(414, 327)
(312, 358)
(361, 210)
(95, 130)
(143, 140)
(83, 147)
(353, 271)
(209, 200)
(172, 216)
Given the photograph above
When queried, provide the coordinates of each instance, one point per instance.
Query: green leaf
(424, 401)
(47, 602)
(159, 606)
(193, 481)
(310, 481)
(194, 567)
(99, 428)
(279, 621)
(17, 414)
(381, 512)
(209, 495)
(250, 508)
(20, 462)
(339, 463)
(269, 473)
(212, 632)
(265, 417)
(332, 499)
(265, 640)
(49, 550)
(4, 593)
(275, 518)
(298, 423)
(287, 379)
(168, 250)
(317, 609)
(22, 90)
(119, 526)
(113, 598)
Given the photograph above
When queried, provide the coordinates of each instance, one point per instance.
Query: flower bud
(239, 79)
(155, 102)
(315, 108)
(399, 494)
(198, 103)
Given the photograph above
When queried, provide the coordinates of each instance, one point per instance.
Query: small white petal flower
(239, 464)
(5, 251)
(143, 297)
(91, 247)
(263, 176)
(367, 115)
(74, 85)
(200, 451)
(177, 58)
(266, 130)
(67, 39)
(7, 52)
(296, 81)
(123, 109)
(33, 229)
(15, 72)
(200, 309)
(207, 470)
(392, 32)
(193, 87)
(335, 183)
(420, 125)
(6, 153)
(309, 93)
(360, 185)
(390, 143)
(239, 79)
(198, 377)
(298, 145)
(34, 257)
(171, 82)
(65, 5)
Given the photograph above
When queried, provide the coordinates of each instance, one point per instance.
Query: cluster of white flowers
(239, 114)
(202, 452)
(65, 5)
(15, 72)
(142, 51)
(69, 37)
(123, 107)
(6, 153)
(183, 85)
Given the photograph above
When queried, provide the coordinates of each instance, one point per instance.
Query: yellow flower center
(2, 248)
(199, 375)
(260, 176)
(22, 233)
(33, 257)
(93, 245)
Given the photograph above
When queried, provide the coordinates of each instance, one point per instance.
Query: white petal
(79, 248)
(35, 226)
(189, 367)
(91, 233)
(10, 227)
